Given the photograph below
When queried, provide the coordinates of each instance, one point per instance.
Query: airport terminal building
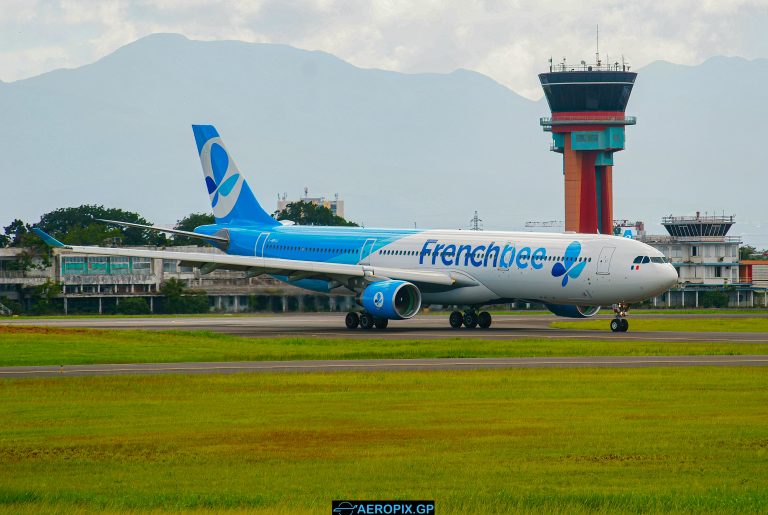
(97, 284)
(707, 262)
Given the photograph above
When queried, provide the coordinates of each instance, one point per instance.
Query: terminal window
(120, 265)
(72, 265)
(141, 266)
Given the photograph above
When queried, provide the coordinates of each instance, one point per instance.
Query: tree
(19, 235)
(15, 233)
(43, 297)
(79, 226)
(133, 306)
(12, 307)
(309, 213)
(746, 251)
(713, 299)
(180, 300)
(188, 223)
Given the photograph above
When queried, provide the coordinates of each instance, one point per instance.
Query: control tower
(587, 125)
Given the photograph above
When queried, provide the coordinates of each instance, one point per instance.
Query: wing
(293, 269)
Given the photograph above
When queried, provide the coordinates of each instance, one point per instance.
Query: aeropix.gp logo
(222, 178)
(571, 266)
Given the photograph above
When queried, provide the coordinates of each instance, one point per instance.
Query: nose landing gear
(620, 324)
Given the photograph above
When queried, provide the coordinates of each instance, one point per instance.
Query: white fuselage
(491, 266)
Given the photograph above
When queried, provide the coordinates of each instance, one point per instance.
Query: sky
(510, 41)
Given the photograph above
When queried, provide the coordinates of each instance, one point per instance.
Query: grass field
(676, 324)
(49, 346)
(701, 311)
(549, 441)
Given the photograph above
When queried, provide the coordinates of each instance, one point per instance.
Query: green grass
(494, 441)
(757, 310)
(676, 324)
(53, 346)
(701, 311)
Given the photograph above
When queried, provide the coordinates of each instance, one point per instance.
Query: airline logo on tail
(222, 178)
(231, 197)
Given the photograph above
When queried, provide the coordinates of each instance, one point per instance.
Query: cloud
(510, 41)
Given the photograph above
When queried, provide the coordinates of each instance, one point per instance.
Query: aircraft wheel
(484, 320)
(352, 320)
(470, 319)
(366, 321)
(616, 325)
(456, 319)
(381, 323)
(624, 325)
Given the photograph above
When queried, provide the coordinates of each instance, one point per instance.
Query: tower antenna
(597, 44)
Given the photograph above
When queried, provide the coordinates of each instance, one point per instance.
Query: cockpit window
(638, 259)
(646, 259)
(657, 259)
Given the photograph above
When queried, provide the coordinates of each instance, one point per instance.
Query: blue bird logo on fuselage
(570, 266)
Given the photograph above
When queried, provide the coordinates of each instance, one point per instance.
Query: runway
(331, 325)
(380, 365)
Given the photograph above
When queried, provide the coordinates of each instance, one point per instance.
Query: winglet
(47, 238)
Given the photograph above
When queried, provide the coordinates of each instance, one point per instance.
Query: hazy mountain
(399, 148)
(699, 144)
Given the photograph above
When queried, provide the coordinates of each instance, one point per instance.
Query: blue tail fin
(231, 197)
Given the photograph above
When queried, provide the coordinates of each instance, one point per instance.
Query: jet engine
(569, 311)
(396, 300)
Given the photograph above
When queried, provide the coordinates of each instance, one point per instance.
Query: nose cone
(669, 277)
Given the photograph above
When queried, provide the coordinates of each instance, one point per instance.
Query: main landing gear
(470, 319)
(365, 320)
(620, 324)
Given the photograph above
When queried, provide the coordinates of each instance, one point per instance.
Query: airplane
(394, 272)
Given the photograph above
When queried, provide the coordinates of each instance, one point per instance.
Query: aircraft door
(604, 261)
(261, 242)
(505, 259)
(366, 251)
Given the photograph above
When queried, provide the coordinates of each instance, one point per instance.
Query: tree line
(81, 226)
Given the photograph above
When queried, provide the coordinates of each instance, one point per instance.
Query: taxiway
(331, 325)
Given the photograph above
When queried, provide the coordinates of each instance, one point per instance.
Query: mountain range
(400, 149)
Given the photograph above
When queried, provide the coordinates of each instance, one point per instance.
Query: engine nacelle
(396, 300)
(569, 311)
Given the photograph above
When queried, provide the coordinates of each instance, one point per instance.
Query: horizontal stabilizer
(189, 234)
(47, 238)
